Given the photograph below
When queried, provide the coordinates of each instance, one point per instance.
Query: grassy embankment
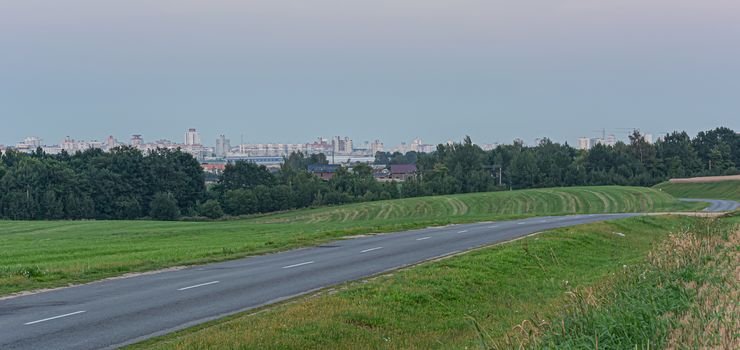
(646, 282)
(50, 254)
(714, 190)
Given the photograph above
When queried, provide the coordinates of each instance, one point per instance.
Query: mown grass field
(505, 296)
(714, 190)
(51, 254)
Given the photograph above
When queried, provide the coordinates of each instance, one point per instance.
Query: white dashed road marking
(54, 318)
(296, 265)
(199, 285)
(371, 249)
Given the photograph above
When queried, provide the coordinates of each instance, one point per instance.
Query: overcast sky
(289, 71)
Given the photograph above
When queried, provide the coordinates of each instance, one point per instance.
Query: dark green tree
(164, 207)
(211, 209)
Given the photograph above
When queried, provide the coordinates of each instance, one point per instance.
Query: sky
(290, 71)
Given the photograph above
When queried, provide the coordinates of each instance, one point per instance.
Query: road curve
(113, 313)
(716, 205)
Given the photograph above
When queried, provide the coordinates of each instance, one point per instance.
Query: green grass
(713, 190)
(51, 254)
(438, 305)
(683, 296)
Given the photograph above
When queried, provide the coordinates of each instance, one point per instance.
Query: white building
(415, 145)
(597, 141)
(376, 147)
(192, 137)
(584, 143)
(611, 140)
(342, 145)
(70, 145)
(29, 144)
(111, 143)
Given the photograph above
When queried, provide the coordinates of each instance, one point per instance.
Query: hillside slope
(547, 201)
(713, 190)
(44, 254)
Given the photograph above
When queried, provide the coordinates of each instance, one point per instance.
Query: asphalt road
(113, 313)
(716, 204)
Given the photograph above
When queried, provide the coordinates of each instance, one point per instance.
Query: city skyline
(194, 136)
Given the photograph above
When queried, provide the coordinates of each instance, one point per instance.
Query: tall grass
(684, 295)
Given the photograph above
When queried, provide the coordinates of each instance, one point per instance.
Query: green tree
(164, 207)
(241, 202)
(245, 175)
(523, 170)
(211, 209)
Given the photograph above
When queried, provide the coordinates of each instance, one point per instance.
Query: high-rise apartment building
(192, 137)
(223, 146)
(111, 142)
(342, 145)
(376, 147)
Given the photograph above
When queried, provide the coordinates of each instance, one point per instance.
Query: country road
(117, 312)
(716, 205)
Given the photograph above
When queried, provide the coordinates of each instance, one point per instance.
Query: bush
(241, 202)
(164, 207)
(211, 209)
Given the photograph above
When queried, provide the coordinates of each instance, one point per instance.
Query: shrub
(164, 207)
(211, 209)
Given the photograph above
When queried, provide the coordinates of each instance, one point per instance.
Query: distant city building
(321, 145)
(29, 144)
(137, 141)
(111, 143)
(192, 137)
(223, 146)
(376, 147)
(415, 145)
(342, 146)
(597, 141)
(70, 145)
(269, 149)
(611, 140)
(427, 148)
(584, 143)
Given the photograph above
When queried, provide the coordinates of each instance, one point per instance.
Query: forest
(170, 184)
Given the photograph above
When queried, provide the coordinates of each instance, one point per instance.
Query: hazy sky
(289, 71)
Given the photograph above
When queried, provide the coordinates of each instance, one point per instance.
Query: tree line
(465, 167)
(121, 184)
(168, 184)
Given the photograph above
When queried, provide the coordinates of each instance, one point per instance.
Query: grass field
(504, 296)
(51, 254)
(714, 190)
